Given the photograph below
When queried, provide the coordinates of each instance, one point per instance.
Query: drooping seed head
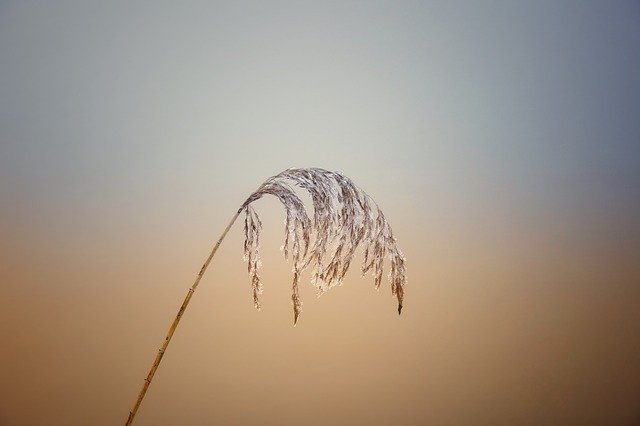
(344, 217)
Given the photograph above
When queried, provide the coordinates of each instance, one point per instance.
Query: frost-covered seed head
(344, 217)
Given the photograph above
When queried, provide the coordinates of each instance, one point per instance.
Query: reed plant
(344, 217)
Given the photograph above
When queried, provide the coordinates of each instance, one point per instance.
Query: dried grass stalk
(344, 217)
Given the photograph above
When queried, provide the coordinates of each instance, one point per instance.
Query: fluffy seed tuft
(344, 217)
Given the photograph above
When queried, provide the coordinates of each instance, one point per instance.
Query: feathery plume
(344, 217)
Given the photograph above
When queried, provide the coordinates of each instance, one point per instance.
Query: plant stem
(176, 320)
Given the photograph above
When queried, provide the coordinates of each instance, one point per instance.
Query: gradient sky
(501, 138)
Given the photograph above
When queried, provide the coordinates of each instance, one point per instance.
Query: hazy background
(502, 140)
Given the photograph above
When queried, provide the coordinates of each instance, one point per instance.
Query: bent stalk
(176, 320)
(344, 218)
